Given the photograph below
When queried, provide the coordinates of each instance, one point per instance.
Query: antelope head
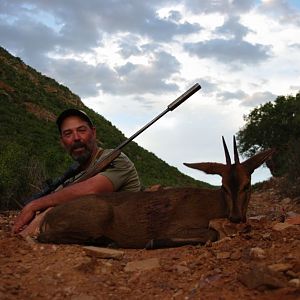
(236, 179)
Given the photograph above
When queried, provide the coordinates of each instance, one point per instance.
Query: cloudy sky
(129, 59)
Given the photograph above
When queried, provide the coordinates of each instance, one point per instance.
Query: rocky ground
(260, 262)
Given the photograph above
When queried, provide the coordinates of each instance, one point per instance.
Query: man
(78, 137)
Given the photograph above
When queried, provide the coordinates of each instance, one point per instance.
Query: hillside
(30, 151)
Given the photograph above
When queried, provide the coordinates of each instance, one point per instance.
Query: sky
(129, 59)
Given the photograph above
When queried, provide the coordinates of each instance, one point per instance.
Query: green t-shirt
(121, 172)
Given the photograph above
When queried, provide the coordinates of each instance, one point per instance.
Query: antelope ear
(208, 168)
(255, 161)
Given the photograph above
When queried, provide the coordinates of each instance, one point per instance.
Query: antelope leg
(208, 235)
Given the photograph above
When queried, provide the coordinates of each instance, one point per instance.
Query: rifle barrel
(196, 87)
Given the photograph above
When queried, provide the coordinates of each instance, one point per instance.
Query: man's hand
(24, 218)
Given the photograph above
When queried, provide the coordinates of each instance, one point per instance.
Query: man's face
(78, 138)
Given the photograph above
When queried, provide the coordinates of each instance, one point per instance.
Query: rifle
(102, 163)
(52, 185)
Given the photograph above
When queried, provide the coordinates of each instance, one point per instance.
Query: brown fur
(168, 217)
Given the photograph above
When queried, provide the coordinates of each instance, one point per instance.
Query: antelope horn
(227, 156)
(236, 153)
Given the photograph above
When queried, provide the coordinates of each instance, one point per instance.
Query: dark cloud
(295, 45)
(258, 98)
(230, 47)
(151, 78)
(130, 46)
(226, 95)
(82, 23)
(246, 99)
(208, 85)
(82, 78)
(229, 51)
(233, 28)
(175, 15)
(226, 7)
(295, 88)
(86, 80)
(26, 38)
(78, 26)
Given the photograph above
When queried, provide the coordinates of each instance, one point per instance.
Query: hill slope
(30, 150)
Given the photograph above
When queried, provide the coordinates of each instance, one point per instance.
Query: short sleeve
(122, 173)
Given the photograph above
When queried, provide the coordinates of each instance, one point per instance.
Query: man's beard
(83, 157)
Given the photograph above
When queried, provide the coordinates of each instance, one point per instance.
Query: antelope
(164, 218)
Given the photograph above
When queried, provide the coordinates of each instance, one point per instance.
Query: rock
(291, 274)
(266, 236)
(142, 265)
(257, 218)
(222, 255)
(260, 278)
(257, 252)
(236, 255)
(294, 282)
(181, 269)
(226, 228)
(294, 220)
(216, 244)
(103, 252)
(178, 294)
(31, 241)
(280, 267)
(281, 226)
(286, 201)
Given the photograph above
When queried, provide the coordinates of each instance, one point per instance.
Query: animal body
(164, 218)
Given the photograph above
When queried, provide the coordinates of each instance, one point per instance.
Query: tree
(273, 125)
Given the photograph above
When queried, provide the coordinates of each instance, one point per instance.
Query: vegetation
(29, 149)
(275, 125)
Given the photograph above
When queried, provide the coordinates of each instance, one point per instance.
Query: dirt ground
(262, 262)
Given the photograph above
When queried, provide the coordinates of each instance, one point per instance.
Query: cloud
(258, 98)
(229, 51)
(82, 78)
(27, 39)
(233, 29)
(230, 46)
(226, 95)
(294, 45)
(130, 46)
(245, 99)
(226, 7)
(151, 78)
(281, 11)
(295, 88)
(86, 79)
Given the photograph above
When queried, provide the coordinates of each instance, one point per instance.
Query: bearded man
(78, 137)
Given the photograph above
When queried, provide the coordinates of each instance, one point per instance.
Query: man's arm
(94, 185)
